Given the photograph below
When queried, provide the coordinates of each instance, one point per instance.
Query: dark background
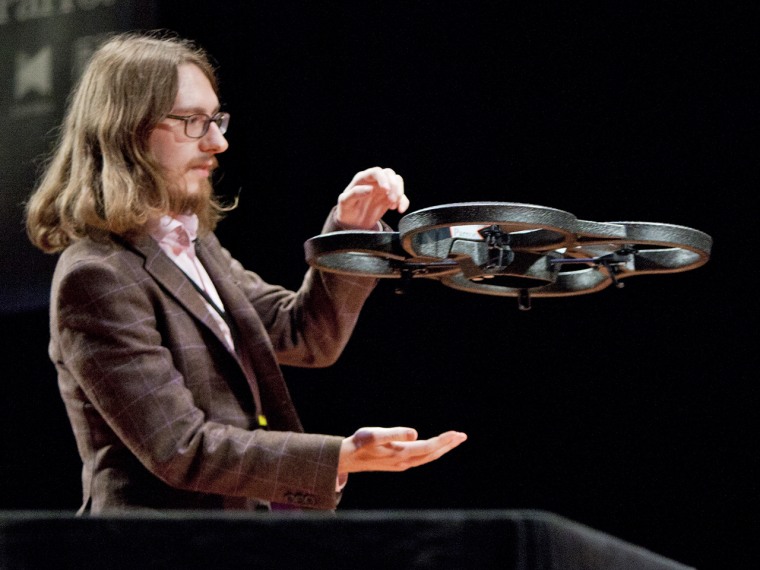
(632, 411)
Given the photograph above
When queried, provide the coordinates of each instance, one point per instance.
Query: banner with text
(44, 45)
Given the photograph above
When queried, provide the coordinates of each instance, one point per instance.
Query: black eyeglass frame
(222, 120)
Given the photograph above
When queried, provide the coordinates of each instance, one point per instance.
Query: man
(167, 349)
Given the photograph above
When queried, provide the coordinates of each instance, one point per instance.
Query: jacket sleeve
(309, 327)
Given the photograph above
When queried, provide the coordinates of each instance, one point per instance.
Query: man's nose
(214, 141)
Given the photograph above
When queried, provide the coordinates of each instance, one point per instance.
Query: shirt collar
(178, 231)
(158, 229)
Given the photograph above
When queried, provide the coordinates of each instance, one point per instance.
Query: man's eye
(196, 119)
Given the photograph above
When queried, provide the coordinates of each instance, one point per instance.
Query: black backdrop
(632, 410)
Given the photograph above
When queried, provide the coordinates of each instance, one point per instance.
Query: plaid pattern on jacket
(164, 413)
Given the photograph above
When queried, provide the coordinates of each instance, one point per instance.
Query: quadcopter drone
(511, 249)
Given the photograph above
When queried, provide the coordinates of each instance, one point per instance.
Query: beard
(198, 202)
(201, 201)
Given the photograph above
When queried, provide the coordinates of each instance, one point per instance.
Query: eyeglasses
(196, 126)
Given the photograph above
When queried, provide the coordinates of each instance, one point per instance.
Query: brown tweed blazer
(163, 413)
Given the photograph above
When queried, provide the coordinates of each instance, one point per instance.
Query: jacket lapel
(175, 282)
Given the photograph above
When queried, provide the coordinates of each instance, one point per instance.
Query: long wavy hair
(101, 177)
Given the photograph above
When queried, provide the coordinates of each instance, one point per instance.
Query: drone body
(511, 249)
